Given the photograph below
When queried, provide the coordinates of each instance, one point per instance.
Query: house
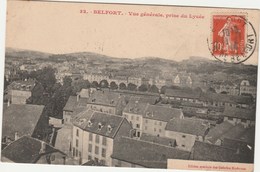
(156, 117)
(94, 134)
(20, 120)
(182, 80)
(208, 152)
(135, 80)
(234, 115)
(74, 104)
(187, 131)
(95, 77)
(134, 111)
(224, 100)
(107, 102)
(31, 150)
(20, 91)
(130, 152)
(247, 88)
(227, 87)
(183, 95)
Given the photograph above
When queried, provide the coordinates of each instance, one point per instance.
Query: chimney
(78, 96)
(16, 136)
(43, 147)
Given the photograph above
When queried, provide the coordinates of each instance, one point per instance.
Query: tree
(103, 84)
(198, 89)
(154, 89)
(131, 87)
(143, 88)
(67, 81)
(113, 85)
(122, 86)
(163, 89)
(47, 78)
(37, 94)
(211, 90)
(94, 84)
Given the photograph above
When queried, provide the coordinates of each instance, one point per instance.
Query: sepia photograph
(124, 85)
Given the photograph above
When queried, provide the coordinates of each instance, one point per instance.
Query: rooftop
(22, 85)
(106, 98)
(20, 118)
(210, 97)
(192, 126)
(209, 152)
(240, 113)
(146, 154)
(159, 140)
(98, 123)
(73, 103)
(162, 113)
(182, 93)
(27, 150)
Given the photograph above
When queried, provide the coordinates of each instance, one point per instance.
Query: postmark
(233, 38)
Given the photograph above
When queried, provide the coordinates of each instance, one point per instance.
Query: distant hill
(25, 53)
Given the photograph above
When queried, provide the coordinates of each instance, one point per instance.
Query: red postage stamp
(228, 35)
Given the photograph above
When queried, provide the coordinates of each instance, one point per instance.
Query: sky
(59, 28)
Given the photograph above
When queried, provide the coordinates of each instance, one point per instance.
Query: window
(137, 118)
(77, 132)
(73, 152)
(96, 150)
(132, 117)
(89, 157)
(145, 127)
(77, 143)
(103, 152)
(97, 138)
(96, 159)
(89, 147)
(160, 123)
(146, 121)
(183, 136)
(243, 120)
(183, 145)
(104, 141)
(103, 162)
(155, 122)
(155, 129)
(137, 125)
(77, 152)
(90, 137)
(160, 130)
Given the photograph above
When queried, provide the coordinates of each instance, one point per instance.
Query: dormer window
(112, 101)
(89, 123)
(100, 126)
(109, 128)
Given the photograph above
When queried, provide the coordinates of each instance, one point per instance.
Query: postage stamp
(233, 38)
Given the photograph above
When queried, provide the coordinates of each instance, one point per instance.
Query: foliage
(131, 87)
(122, 86)
(113, 85)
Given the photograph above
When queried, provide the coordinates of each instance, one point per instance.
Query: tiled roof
(146, 154)
(107, 98)
(192, 126)
(90, 121)
(135, 106)
(159, 140)
(182, 93)
(72, 103)
(230, 131)
(144, 99)
(209, 152)
(27, 150)
(22, 85)
(210, 97)
(240, 113)
(21, 119)
(161, 113)
(218, 131)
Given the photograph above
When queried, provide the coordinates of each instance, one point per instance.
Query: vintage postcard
(124, 85)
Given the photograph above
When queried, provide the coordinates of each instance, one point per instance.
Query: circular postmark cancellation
(233, 38)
